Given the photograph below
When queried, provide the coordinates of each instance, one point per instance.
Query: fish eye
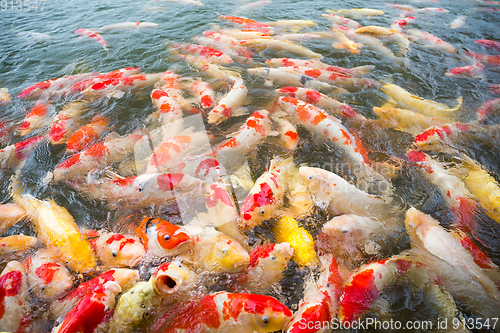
(114, 253)
(345, 230)
(410, 225)
(147, 314)
(262, 211)
(272, 257)
(266, 319)
(310, 177)
(179, 264)
(42, 287)
(166, 237)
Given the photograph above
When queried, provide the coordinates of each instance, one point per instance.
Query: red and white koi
(100, 78)
(230, 312)
(281, 45)
(48, 278)
(430, 10)
(453, 190)
(399, 24)
(94, 35)
(87, 135)
(228, 104)
(204, 94)
(320, 302)
(429, 40)
(207, 54)
(247, 24)
(489, 44)
(169, 108)
(287, 131)
(10, 214)
(36, 118)
(124, 277)
(288, 76)
(97, 156)
(234, 49)
(322, 101)
(92, 312)
(256, 128)
(127, 25)
(317, 64)
(341, 20)
(488, 60)
(161, 238)
(117, 87)
(14, 302)
(116, 250)
(439, 136)
(475, 71)
(58, 86)
(14, 155)
(65, 122)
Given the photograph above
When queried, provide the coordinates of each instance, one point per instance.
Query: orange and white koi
(15, 245)
(228, 104)
(475, 71)
(169, 108)
(161, 238)
(487, 109)
(265, 197)
(229, 45)
(320, 302)
(100, 78)
(439, 136)
(399, 24)
(57, 229)
(10, 214)
(124, 277)
(342, 110)
(13, 156)
(287, 230)
(288, 76)
(406, 120)
(329, 127)
(356, 12)
(94, 35)
(4, 96)
(48, 278)
(287, 131)
(92, 312)
(117, 87)
(429, 40)
(231, 312)
(444, 255)
(281, 45)
(36, 118)
(317, 64)
(336, 77)
(175, 280)
(213, 251)
(453, 190)
(247, 24)
(116, 250)
(87, 135)
(341, 20)
(127, 25)
(256, 128)
(97, 156)
(344, 43)
(207, 54)
(47, 89)
(204, 94)
(65, 122)
(14, 302)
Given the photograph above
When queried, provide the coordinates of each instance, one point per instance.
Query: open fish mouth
(167, 284)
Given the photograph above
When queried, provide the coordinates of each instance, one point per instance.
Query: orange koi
(36, 118)
(87, 135)
(162, 238)
(65, 121)
(58, 86)
(13, 156)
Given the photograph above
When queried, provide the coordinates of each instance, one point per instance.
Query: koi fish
(4, 96)
(317, 64)
(124, 277)
(98, 156)
(438, 250)
(458, 22)
(428, 40)
(14, 302)
(395, 35)
(36, 118)
(472, 71)
(417, 104)
(281, 45)
(356, 12)
(175, 280)
(13, 156)
(231, 312)
(302, 37)
(161, 238)
(439, 136)
(207, 54)
(320, 302)
(232, 43)
(266, 267)
(57, 86)
(100, 78)
(204, 94)
(341, 20)
(189, 2)
(117, 87)
(48, 278)
(342, 110)
(292, 23)
(213, 251)
(134, 307)
(10, 214)
(256, 128)
(169, 107)
(231, 46)
(247, 24)
(65, 122)
(489, 44)
(88, 135)
(116, 250)
(487, 109)
(94, 35)
(287, 131)
(57, 229)
(453, 190)
(344, 42)
(406, 120)
(15, 245)
(431, 10)
(399, 24)
(242, 35)
(287, 76)
(228, 104)
(265, 197)
(287, 230)
(92, 312)
(127, 25)
(495, 88)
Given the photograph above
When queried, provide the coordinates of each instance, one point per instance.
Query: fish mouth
(167, 284)
(135, 261)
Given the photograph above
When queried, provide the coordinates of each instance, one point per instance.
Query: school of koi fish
(209, 205)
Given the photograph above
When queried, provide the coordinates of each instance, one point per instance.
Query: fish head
(272, 257)
(227, 255)
(346, 230)
(257, 207)
(137, 304)
(125, 277)
(47, 276)
(418, 225)
(172, 277)
(318, 181)
(258, 312)
(116, 250)
(16, 243)
(166, 238)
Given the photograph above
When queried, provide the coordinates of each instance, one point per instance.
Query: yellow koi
(287, 230)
